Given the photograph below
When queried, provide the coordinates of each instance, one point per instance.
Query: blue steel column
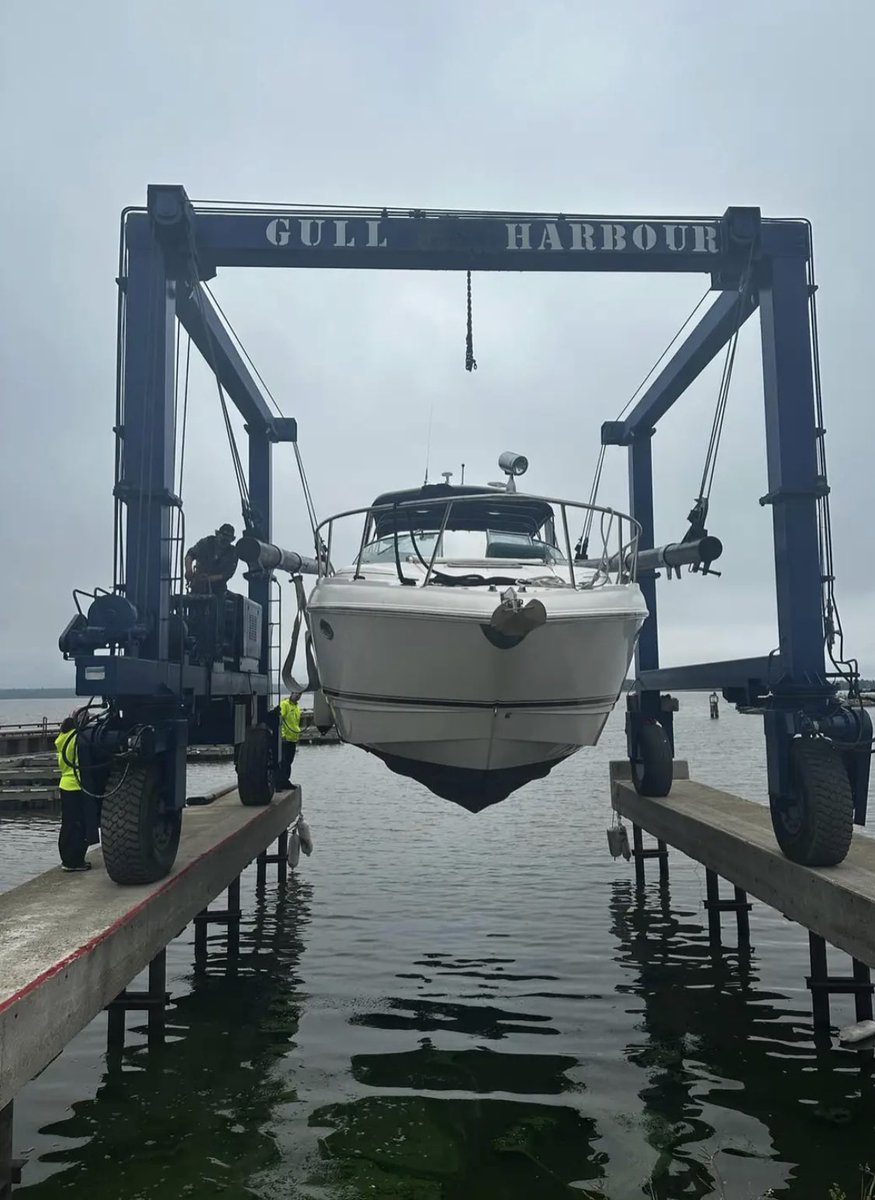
(149, 431)
(792, 467)
(791, 453)
(641, 508)
(260, 499)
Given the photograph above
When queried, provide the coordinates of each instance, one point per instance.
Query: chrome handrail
(617, 559)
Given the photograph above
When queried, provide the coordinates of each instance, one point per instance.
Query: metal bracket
(126, 492)
(784, 495)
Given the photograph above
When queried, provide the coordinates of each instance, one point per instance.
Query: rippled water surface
(443, 1006)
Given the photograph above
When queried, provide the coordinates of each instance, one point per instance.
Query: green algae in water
(423, 1148)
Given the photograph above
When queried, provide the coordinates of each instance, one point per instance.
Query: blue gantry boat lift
(164, 692)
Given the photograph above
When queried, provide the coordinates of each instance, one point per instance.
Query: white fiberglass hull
(416, 676)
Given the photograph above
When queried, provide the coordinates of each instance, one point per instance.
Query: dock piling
(153, 1001)
(822, 985)
(6, 1168)
(229, 916)
(640, 853)
(715, 905)
(281, 858)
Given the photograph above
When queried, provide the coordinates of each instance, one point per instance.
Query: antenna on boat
(428, 443)
(463, 475)
(448, 475)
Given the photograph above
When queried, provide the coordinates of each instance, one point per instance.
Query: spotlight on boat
(513, 464)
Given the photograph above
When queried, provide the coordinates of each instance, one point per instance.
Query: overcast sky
(677, 107)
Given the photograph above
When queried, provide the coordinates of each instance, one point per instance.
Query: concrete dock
(733, 838)
(70, 944)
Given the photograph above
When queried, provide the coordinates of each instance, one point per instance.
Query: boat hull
(417, 678)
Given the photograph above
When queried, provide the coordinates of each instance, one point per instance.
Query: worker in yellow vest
(290, 732)
(73, 836)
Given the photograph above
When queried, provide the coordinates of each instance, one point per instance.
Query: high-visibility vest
(290, 721)
(68, 760)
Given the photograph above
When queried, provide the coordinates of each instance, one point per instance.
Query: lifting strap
(302, 616)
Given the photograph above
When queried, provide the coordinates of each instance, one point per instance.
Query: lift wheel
(256, 767)
(814, 826)
(139, 839)
(653, 766)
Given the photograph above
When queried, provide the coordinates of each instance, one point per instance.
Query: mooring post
(662, 855)
(261, 871)
(158, 994)
(712, 906)
(282, 856)
(115, 1027)
(818, 981)
(863, 994)
(638, 855)
(6, 1179)
(742, 918)
(234, 917)
(200, 939)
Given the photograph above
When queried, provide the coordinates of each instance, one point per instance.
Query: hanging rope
(470, 360)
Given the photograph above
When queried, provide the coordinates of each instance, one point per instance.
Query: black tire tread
(255, 785)
(121, 830)
(826, 790)
(654, 773)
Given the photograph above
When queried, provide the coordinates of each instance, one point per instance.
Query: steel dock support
(733, 839)
(62, 963)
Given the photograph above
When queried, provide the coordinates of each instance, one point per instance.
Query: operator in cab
(212, 561)
(290, 732)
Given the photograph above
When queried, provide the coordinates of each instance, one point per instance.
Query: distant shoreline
(36, 693)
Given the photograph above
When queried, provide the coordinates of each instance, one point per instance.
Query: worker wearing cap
(73, 837)
(290, 732)
(212, 561)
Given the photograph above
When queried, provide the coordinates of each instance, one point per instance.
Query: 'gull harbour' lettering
(537, 236)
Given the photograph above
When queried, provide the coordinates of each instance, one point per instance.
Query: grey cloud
(673, 108)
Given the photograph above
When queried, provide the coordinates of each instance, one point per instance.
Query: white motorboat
(470, 647)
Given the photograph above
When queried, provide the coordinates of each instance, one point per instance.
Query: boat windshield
(462, 545)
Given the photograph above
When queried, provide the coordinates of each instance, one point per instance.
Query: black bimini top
(495, 512)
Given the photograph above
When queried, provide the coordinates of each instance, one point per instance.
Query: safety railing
(611, 556)
(39, 727)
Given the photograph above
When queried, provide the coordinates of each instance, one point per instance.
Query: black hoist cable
(305, 485)
(583, 544)
(699, 513)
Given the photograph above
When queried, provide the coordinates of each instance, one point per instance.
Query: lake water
(443, 1006)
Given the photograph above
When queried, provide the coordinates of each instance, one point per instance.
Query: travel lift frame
(160, 701)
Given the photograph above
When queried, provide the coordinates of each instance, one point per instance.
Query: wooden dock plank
(734, 837)
(70, 943)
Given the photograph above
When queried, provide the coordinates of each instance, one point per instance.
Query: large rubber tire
(653, 770)
(256, 768)
(814, 827)
(139, 840)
